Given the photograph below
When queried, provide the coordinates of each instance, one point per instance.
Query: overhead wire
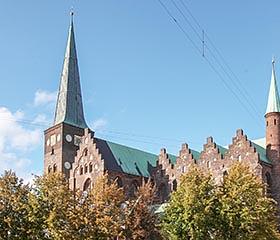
(212, 66)
(132, 137)
(241, 88)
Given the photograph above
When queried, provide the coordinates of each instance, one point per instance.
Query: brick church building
(72, 148)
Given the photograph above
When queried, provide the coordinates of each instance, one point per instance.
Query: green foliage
(235, 209)
(50, 210)
(191, 211)
(245, 212)
(14, 222)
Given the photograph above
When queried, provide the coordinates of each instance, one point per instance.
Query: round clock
(68, 138)
(67, 165)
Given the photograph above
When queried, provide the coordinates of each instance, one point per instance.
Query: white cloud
(16, 140)
(43, 97)
(99, 124)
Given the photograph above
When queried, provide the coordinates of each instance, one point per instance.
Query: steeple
(273, 104)
(69, 106)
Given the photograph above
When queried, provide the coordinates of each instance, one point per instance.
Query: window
(119, 182)
(85, 152)
(81, 170)
(52, 152)
(86, 168)
(174, 184)
(268, 183)
(49, 169)
(274, 121)
(90, 167)
(133, 188)
(87, 185)
(183, 169)
(54, 168)
(266, 123)
(162, 193)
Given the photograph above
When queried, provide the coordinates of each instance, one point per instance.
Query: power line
(205, 57)
(166, 141)
(241, 88)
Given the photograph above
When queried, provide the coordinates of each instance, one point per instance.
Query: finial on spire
(273, 60)
(72, 13)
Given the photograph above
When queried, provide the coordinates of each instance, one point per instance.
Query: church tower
(272, 117)
(62, 139)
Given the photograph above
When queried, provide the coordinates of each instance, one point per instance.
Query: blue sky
(143, 82)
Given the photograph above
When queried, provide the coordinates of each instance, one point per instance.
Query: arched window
(81, 170)
(86, 168)
(85, 152)
(87, 185)
(90, 167)
(49, 169)
(268, 182)
(274, 121)
(174, 184)
(119, 182)
(54, 168)
(162, 193)
(133, 188)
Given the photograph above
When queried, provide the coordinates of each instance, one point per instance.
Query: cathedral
(72, 148)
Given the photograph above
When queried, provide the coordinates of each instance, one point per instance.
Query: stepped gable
(241, 149)
(88, 163)
(163, 174)
(211, 154)
(186, 157)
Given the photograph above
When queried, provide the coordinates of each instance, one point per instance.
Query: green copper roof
(273, 104)
(69, 106)
(127, 159)
(196, 154)
(222, 150)
(259, 144)
(133, 161)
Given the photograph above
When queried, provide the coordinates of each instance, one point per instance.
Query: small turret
(272, 117)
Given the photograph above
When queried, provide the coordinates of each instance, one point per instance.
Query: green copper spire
(273, 104)
(69, 106)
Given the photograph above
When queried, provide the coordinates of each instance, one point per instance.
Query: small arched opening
(54, 168)
(133, 188)
(268, 183)
(162, 193)
(119, 182)
(174, 185)
(87, 185)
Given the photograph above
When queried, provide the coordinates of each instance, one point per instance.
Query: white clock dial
(67, 165)
(68, 138)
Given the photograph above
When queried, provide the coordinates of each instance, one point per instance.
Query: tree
(14, 222)
(52, 208)
(190, 213)
(102, 216)
(141, 222)
(244, 210)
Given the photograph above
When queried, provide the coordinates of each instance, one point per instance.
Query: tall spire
(273, 104)
(69, 106)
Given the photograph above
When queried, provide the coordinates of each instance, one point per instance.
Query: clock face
(67, 165)
(68, 138)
